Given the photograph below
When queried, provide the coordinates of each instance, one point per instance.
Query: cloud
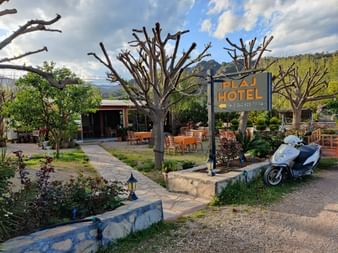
(206, 25)
(227, 22)
(298, 26)
(84, 24)
(217, 6)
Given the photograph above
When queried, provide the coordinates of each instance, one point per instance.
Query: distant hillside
(327, 60)
(330, 60)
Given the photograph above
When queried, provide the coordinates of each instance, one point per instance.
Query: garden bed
(234, 165)
(83, 237)
(197, 183)
(47, 202)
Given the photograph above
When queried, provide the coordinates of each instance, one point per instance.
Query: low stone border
(82, 237)
(203, 186)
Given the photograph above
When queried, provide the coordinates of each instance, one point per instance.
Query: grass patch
(328, 163)
(147, 241)
(143, 161)
(72, 161)
(257, 193)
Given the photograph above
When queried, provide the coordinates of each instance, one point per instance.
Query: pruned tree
(299, 89)
(248, 57)
(157, 74)
(28, 27)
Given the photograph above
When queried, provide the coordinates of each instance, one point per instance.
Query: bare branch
(7, 12)
(48, 76)
(30, 26)
(2, 1)
(24, 55)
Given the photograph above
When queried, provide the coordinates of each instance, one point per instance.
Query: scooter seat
(305, 152)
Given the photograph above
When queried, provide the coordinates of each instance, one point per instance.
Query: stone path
(109, 167)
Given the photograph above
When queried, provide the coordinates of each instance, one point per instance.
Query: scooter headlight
(279, 156)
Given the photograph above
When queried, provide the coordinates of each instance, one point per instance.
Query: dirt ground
(304, 221)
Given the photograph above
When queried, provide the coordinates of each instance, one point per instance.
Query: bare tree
(157, 76)
(28, 27)
(249, 58)
(299, 89)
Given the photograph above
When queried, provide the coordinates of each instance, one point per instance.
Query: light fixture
(132, 187)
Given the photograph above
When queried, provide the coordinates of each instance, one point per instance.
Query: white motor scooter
(293, 159)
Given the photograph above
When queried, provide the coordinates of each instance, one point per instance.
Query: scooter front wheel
(273, 176)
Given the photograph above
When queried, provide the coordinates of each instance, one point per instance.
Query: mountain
(329, 60)
(202, 67)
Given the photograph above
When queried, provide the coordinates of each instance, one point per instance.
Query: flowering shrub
(43, 202)
(228, 150)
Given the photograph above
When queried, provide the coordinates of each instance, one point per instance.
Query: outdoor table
(143, 135)
(185, 141)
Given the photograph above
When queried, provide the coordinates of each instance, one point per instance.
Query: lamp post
(132, 187)
(211, 123)
(210, 165)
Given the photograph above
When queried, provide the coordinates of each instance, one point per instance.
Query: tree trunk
(173, 122)
(296, 118)
(243, 121)
(158, 127)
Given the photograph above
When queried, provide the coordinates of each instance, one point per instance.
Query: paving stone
(109, 167)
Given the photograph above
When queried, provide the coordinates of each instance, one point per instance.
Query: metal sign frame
(212, 80)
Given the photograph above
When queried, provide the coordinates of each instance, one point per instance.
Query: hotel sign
(252, 93)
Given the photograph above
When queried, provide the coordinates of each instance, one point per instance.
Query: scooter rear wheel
(271, 177)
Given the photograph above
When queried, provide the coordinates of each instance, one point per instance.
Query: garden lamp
(132, 187)
(210, 165)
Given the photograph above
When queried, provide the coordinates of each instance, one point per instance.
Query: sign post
(237, 92)
(211, 124)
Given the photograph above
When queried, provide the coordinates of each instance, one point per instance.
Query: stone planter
(198, 184)
(82, 237)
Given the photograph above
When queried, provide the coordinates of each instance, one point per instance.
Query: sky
(298, 27)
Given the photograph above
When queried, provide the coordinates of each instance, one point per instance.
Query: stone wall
(201, 185)
(82, 237)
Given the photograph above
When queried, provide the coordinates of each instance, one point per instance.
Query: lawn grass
(142, 159)
(257, 193)
(74, 160)
(156, 236)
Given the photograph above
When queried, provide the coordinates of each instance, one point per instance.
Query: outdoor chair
(189, 133)
(131, 138)
(183, 130)
(171, 145)
(199, 138)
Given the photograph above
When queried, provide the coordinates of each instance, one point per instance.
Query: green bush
(234, 124)
(169, 165)
(219, 124)
(274, 124)
(249, 124)
(261, 124)
(187, 164)
(274, 121)
(146, 166)
(46, 202)
(253, 193)
(7, 171)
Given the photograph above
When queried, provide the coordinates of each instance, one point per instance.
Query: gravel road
(304, 221)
